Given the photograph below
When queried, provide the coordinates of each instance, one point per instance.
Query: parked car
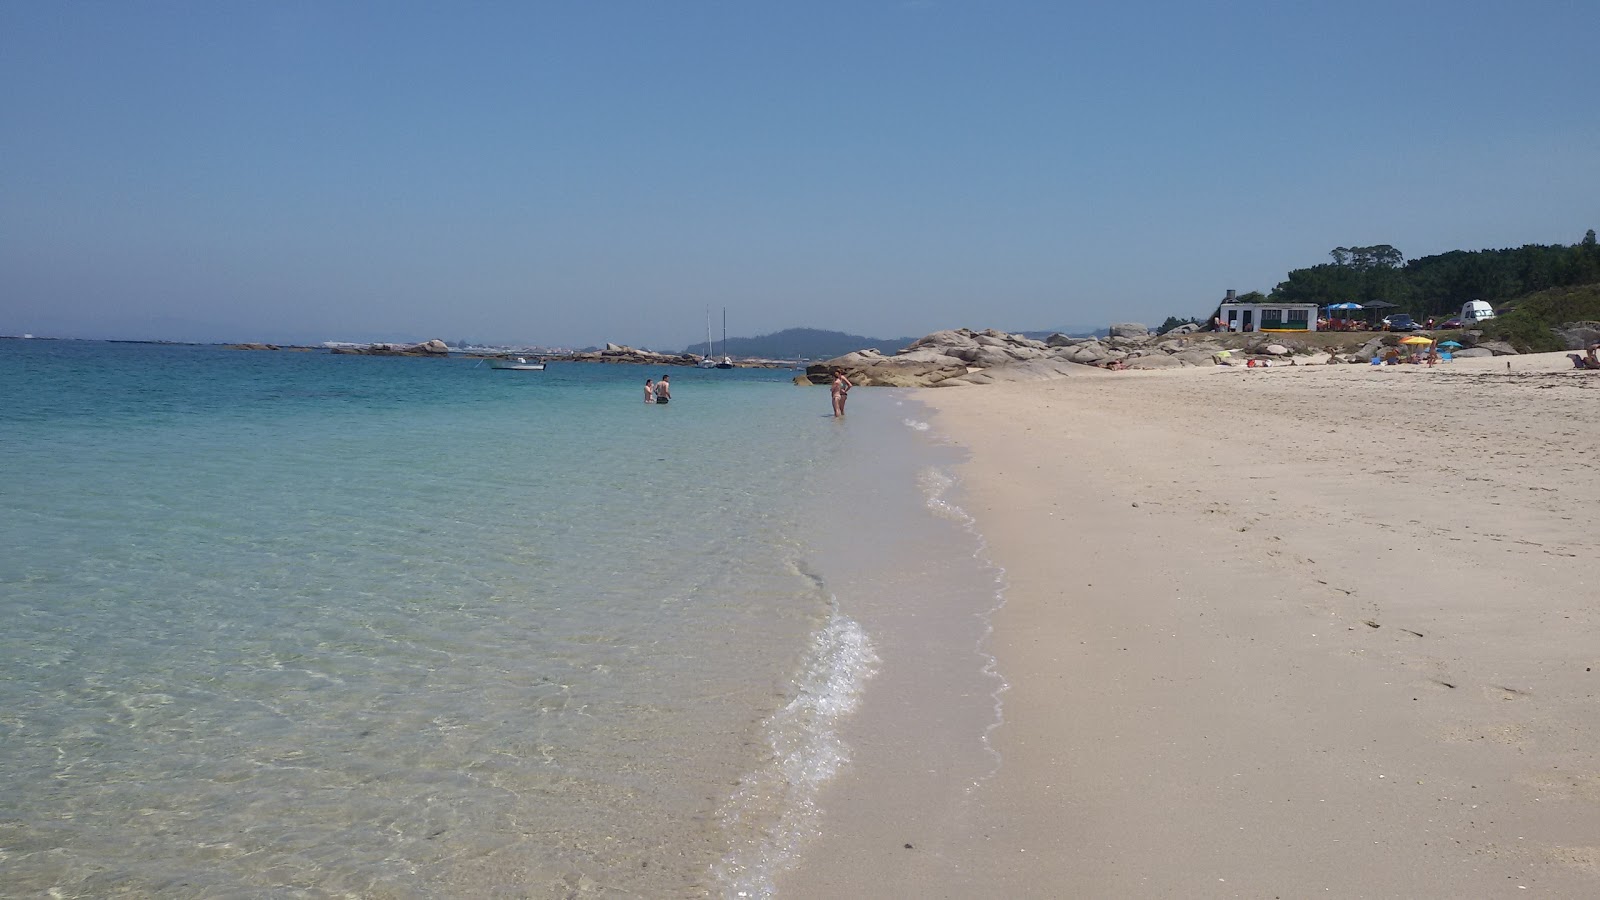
(1400, 322)
(1452, 322)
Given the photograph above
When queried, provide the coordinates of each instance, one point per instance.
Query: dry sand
(1313, 631)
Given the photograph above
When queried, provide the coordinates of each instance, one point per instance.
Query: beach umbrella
(1418, 339)
(1451, 344)
(1345, 308)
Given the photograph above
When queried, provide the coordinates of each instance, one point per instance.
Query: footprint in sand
(1510, 735)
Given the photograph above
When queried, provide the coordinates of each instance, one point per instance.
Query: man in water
(663, 390)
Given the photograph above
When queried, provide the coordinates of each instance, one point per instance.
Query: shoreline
(1275, 632)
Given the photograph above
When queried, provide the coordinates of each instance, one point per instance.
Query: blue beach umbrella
(1345, 308)
(1450, 344)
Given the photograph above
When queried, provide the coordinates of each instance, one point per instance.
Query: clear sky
(580, 172)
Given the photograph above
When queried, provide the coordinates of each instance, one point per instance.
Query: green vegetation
(1438, 285)
(1530, 327)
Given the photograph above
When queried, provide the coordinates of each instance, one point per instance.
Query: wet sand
(1287, 632)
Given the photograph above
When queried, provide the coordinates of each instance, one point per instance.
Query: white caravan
(1475, 311)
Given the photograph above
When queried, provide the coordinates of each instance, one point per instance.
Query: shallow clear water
(416, 628)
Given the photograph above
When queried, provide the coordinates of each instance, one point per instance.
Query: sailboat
(705, 361)
(727, 362)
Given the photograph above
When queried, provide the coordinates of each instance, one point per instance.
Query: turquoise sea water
(300, 624)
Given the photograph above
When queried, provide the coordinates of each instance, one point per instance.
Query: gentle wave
(778, 802)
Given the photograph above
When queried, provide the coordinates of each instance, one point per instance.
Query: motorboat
(517, 364)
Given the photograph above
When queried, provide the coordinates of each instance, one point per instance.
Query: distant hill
(811, 343)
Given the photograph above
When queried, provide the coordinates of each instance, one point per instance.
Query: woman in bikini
(841, 391)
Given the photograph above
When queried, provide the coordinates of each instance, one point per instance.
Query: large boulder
(1061, 340)
(988, 357)
(890, 373)
(1128, 330)
(939, 355)
(1473, 352)
(1090, 353)
(1196, 356)
(1580, 335)
(1277, 350)
(869, 368)
(855, 359)
(1047, 369)
(1187, 328)
(960, 337)
(1155, 361)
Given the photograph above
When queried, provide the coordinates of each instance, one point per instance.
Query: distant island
(794, 343)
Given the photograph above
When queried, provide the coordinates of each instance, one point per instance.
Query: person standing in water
(649, 391)
(840, 390)
(663, 390)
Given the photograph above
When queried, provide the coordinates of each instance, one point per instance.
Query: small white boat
(517, 364)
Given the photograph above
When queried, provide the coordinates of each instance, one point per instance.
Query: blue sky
(575, 173)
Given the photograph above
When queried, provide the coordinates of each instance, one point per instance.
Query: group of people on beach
(657, 391)
(1590, 360)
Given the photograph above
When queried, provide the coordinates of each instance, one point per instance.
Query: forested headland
(1438, 285)
(1536, 287)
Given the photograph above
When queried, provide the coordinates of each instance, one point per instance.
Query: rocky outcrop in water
(434, 347)
(623, 354)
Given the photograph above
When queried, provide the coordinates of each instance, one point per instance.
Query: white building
(1267, 316)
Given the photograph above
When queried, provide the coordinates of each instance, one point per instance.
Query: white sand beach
(1286, 632)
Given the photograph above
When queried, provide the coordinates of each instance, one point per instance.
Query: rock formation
(964, 357)
(434, 347)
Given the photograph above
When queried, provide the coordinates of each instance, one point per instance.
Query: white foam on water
(915, 425)
(775, 807)
(937, 484)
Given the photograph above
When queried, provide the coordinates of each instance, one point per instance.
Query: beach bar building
(1267, 316)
